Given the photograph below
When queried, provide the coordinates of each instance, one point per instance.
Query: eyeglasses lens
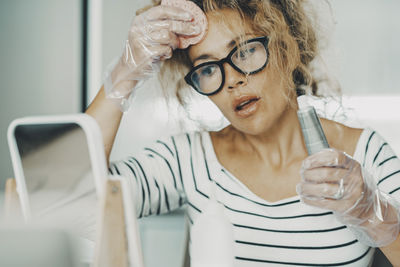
(208, 78)
(249, 57)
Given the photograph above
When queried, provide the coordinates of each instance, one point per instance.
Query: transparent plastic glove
(331, 179)
(152, 38)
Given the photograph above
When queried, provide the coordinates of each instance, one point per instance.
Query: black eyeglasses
(249, 57)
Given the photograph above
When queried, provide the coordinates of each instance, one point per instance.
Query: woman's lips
(246, 106)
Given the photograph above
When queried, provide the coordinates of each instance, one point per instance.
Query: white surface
(212, 225)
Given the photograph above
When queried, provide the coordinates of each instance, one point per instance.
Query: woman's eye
(252, 50)
(207, 71)
(195, 78)
(245, 53)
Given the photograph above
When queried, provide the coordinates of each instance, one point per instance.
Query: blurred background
(54, 52)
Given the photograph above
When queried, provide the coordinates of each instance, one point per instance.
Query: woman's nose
(233, 78)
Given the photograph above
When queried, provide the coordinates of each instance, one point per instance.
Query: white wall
(367, 37)
(40, 66)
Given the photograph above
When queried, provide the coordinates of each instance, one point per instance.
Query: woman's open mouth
(246, 105)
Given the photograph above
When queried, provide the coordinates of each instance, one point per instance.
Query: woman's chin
(256, 127)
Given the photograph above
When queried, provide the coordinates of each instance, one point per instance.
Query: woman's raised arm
(152, 38)
(108, 116)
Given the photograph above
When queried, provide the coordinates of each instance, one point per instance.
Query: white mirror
(59, 163)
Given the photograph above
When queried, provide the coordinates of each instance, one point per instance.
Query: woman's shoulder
(171, 144)
(183, 137)
(342, 137)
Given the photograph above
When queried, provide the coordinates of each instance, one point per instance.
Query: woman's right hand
(152, 37)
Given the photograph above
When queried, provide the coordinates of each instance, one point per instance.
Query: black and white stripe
(181, 169)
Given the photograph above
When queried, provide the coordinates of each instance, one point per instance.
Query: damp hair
(293, 44)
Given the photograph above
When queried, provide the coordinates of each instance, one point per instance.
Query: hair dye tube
(313, 134)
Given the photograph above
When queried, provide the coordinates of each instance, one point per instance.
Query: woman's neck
(278, 146)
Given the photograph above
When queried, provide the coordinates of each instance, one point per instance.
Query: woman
(287, 208)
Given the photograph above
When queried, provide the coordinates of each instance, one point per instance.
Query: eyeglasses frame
(220, 63)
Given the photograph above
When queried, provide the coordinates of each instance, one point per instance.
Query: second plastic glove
(333, 180)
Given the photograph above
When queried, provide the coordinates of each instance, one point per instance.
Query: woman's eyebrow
(204, 56)
(236, 40)
(231, 44)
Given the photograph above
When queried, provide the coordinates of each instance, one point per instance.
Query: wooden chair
(12, 206)
(111, 246)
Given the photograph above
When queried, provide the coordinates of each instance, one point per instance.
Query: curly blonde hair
(293, 43)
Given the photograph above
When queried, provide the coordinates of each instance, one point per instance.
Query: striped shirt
(178, 170)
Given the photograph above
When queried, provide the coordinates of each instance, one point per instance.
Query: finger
(167, 53)
(166, 12)
(324, 174)
(177, 27)
(341, 205)
(327, 158)
(164, 37)
(160, 52)
(320, 191)
(185, 28)
(323, 203)
(338, 197)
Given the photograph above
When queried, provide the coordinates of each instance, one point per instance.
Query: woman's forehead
(224, 26)
(228, 22)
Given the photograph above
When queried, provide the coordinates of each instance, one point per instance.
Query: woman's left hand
(333, 180)
(330, 179)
